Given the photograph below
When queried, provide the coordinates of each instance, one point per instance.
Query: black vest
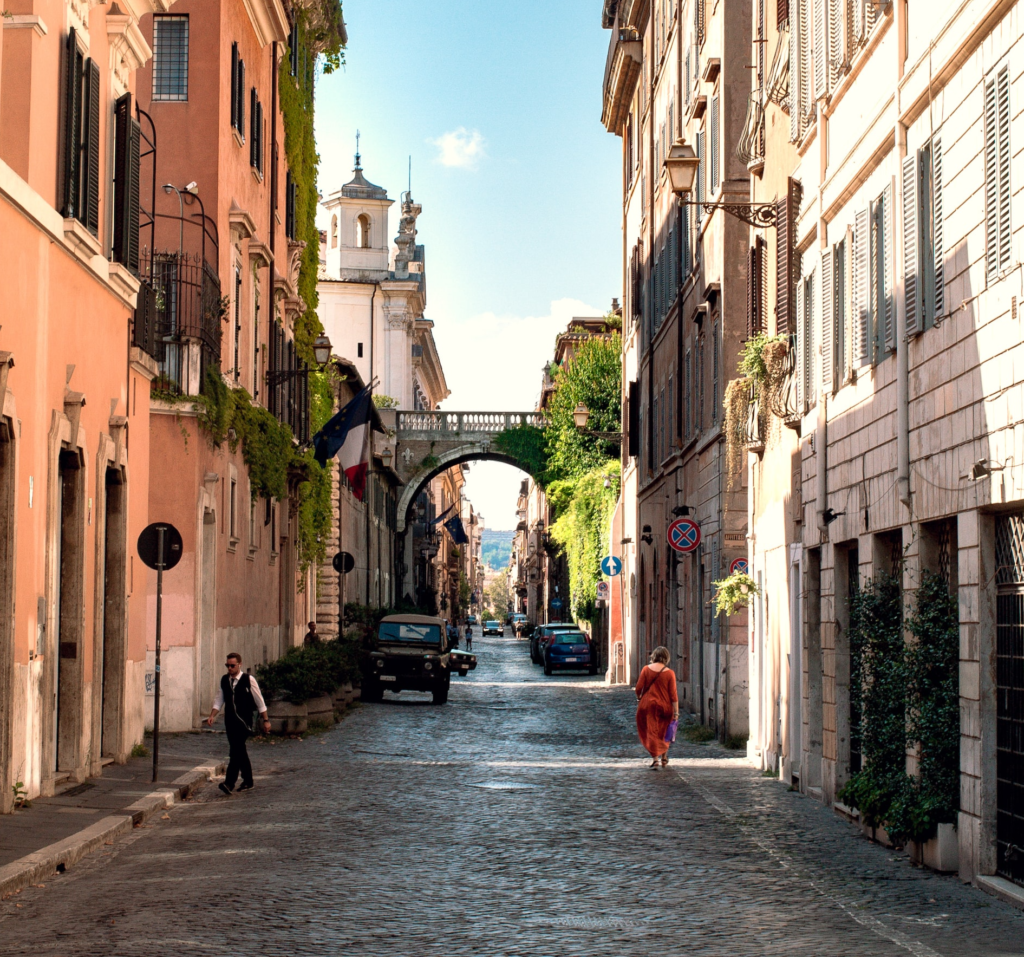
(240, 704)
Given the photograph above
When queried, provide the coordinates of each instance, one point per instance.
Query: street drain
(504, 786)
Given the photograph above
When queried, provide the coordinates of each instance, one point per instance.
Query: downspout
(369, 466)
(902, 345)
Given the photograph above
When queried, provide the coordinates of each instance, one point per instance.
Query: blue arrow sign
(556, 602)
(611, 566)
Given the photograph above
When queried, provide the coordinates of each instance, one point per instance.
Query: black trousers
(238, 760)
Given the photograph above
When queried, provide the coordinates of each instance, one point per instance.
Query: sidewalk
(57, 831)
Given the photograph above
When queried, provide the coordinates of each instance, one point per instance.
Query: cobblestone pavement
(520, 819)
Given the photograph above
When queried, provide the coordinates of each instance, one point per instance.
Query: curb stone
(56, 858)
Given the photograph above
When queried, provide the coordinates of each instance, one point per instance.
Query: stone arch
(364, 226)
(470, 452)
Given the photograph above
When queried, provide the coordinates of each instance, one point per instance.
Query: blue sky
(499, 105)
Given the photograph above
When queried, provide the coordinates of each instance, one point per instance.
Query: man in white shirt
(240, 697)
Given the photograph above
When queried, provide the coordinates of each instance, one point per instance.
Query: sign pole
(159, 615)
(700, 620)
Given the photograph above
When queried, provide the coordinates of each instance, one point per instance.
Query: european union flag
(456, 530)
(332, 436)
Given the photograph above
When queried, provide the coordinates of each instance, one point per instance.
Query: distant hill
(496, 548)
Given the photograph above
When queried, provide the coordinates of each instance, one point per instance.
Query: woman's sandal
(664, 760)
(654, 765)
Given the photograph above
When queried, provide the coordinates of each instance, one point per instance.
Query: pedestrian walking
(240, 698)
(658, 707)
(469, 636)
(312, 636)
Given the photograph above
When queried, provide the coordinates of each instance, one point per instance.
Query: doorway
(114, 614)
(6, 610)
(70, 611)
(1009, 697)
(207, 677)
(811, 776)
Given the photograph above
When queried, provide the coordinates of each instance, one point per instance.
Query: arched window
(363, 231)
(334, 231)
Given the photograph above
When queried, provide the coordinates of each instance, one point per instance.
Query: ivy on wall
(527, 445)
(909, 696)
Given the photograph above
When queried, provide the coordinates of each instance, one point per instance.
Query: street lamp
(386, 456)
(682, 165)
(322, 350)
(581, 416)
(321, 353)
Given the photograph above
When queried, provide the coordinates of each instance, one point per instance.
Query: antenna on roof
(358, 134)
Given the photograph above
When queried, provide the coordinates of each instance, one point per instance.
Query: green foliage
(582, 530)
(430, 462)
(735, 592)
(310, 671)
(496, 548)
(752, 362)
(527, 445)
(316, 19)
(697, 733)
(20, 795)
(464, 591)
(909, 696)
(382, 401)
(593, 377)
(322, 23)
(496, 599)
(140, 751)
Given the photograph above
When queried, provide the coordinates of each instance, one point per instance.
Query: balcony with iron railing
(178, 318)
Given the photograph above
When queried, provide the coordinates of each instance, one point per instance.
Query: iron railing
(755, 428)
(750, 149)
(178, 320)
(457, 423)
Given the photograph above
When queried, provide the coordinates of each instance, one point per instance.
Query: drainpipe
(902, 345)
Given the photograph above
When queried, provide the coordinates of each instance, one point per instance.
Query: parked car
(542, 634)
(569, 650)
(471, 620)
(494, 628)
(412, 653)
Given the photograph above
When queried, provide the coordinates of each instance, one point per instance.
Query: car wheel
(441, 695)
(547, 669)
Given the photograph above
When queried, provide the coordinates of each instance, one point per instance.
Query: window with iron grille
(170, 57)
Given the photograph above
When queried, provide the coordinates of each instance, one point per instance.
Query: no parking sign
(740, 566)
(684, 534)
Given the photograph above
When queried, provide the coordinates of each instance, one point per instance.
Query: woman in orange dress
(659, 705)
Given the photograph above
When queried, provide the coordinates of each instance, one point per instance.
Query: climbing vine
(908, 697)
(527, 445)
(584, 508)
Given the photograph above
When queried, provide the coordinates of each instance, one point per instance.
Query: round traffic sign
(740, 566)
(343, 562)
(684, 534)
(556, 602)
(148, 545)
(611, 566)
(603, 591)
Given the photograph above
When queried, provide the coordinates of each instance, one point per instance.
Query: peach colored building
(224, 266)
(74, 392)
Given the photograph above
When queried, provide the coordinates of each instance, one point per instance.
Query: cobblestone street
(520, 819)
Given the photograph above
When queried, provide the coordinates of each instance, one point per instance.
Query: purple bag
(670, 731)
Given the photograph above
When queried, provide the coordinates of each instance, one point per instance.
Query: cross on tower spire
(358, 166)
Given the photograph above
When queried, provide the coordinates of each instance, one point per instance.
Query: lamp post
(581, 416)
(682, 165)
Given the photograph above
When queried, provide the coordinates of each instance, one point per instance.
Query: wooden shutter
(991, 180)
(781, 12)
(293, 49)
(91, 148)
(861, 299)
(633, 420)
(806, 317)
(701, 167)
(827, 320)
(259, 136)
(801, 348)
(783, 272)
(714, 146)
(820, 48)
(1003, 118)
(240, 110)
(234, 85)
(252, 127)
(751, 291)
(72, 124)
(937, 251)
(796, 105)
(911, 271)
(836, 14)
(126, 185)
(685, 243)
(699, 21)
(887, 270)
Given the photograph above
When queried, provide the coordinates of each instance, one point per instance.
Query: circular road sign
(147, 545)
(556, 602)
(611, 566)
(684, 534)
(740, 566)
(343, 563)
(603, 591)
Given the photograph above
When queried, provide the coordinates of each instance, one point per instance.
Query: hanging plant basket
(735, 592)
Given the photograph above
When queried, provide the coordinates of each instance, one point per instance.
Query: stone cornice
(127, 41)
(269, 21)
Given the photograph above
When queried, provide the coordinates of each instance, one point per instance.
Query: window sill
(239, 138)
(233, 545)
(82, 243)
(123, 281)
(256, 174)
(252, 554)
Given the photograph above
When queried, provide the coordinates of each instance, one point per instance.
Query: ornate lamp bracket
(760, 215)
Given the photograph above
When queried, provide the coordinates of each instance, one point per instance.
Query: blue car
(569, 650)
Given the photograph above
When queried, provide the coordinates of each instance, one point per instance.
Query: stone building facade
(73, 388)
(891, 143)
(678, 69)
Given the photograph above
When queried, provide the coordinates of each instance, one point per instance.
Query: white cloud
(494, 364)
(460, 149)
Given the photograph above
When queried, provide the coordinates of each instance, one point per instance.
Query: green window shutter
(714, 145)
(827, 320)
(252, 127)
(1003, 143)
(861, 298)
(937, 251)
(991, 180)
(91, 148)
(126, 185)
(911, 224)
(240, 109)
(701, 167)
(72, 106)
(234, 85)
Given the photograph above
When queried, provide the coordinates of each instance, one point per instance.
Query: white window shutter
(835, 41)
(715, 146)
(861, 299)
(827, 319)
(809, 339)
(889, 316)
(796, 100)
(801, 350)
(911, 220)
(820, 48)
(940, 278)
(1003, 113)
(991, 180)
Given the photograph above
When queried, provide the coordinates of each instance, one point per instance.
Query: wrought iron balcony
(755, 431)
